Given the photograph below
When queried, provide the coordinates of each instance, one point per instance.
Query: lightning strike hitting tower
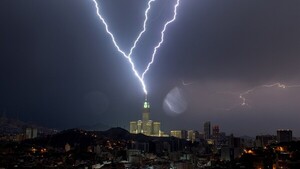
(145, 126)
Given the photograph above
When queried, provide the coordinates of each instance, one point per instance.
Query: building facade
(182, 134)
(284, 135)
(30, 133)
(146, 126)
(193, 135)
(207, 130)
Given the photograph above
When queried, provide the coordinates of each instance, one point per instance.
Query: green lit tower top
(146, 105)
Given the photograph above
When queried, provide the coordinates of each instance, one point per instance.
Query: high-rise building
(176, 133)
(31, 133)
(133, 127)
(156, 128)
(215, 131)
(146, 111)
(145, 116)
(145, 126)
(264, 140)
(149, 128)
(193, 135)
(182, 134)
(28, 133)
(284, 135)
(207, 130)
(34, 132)
(190, 134)
(139, 126)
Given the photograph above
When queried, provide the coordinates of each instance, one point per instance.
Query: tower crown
(146, 105)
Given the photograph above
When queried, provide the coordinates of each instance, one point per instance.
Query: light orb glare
(175, 102)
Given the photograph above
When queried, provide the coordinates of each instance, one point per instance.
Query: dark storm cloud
(59, 68)
(248, 40)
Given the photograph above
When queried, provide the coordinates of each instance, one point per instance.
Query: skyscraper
(156, 128)
(215, 131)
(284, 135)
(133, 127)
(145, 116)
(207, 130)
(182, 134)
(139, 126)
(149, 128)
(31, 133)
(193, 135)
(145, 126)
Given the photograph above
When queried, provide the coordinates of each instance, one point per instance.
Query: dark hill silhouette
(116, 133)
(82, 138)
(71, 136)
(95, 127)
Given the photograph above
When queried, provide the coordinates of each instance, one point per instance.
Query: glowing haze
(140, 76)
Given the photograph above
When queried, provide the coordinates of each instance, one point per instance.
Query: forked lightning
(128, 56)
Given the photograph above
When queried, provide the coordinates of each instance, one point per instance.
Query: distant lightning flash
(185, 83)
(279, 85)
(128, 56)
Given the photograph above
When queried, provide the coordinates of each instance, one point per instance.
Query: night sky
(59, 68)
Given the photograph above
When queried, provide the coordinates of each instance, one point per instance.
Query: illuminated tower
(156, 128)
(139, 126)
(145, 125)
(133, 127)
(149, 128)
(146, 111)
(146, 118)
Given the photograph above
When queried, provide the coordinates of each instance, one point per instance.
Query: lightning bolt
(242, 96)
(186, 84)
(161, 39)
(128, 56)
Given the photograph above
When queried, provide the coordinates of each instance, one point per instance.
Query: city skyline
(234, 64)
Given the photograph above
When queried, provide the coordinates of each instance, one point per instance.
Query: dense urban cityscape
(145, 146)
(150, 84)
